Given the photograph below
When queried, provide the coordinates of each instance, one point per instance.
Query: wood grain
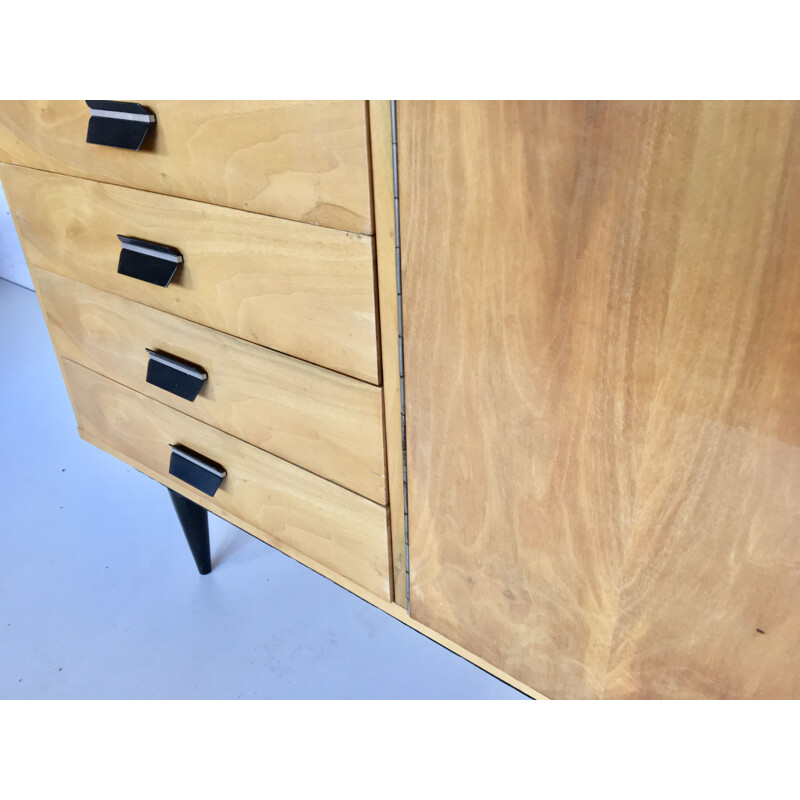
(302, 555)
(337, 528)
(301, 160)
(602, 345)
(300, 289)
(324, 422)
(380, 121)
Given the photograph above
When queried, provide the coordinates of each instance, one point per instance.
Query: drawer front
(326, 423)
(305, 161)
(300, 289)
(337, 528)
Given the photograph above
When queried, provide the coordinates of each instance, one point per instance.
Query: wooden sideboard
(522, 374)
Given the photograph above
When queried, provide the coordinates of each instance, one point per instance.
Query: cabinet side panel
(602, 346)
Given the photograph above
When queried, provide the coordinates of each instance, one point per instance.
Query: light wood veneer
(301, 160)
(602, 344)
(300, 289)
(332, 525)
(322, 421)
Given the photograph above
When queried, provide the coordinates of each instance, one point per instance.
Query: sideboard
(521, 374)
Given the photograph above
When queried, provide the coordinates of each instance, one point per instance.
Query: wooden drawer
(300, 289)
(306, 161)
(327, 423)
(261, 493)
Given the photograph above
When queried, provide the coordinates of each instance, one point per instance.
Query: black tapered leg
(194, 521)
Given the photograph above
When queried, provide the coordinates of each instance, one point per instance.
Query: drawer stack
(261, 214)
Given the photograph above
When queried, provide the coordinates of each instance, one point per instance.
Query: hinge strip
(399, 282)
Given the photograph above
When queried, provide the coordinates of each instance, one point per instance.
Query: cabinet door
(602, 364)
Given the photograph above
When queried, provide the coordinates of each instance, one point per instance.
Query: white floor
(100, 598)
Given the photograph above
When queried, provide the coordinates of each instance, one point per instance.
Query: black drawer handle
(196, 470)
(115, 124)
(175, 375)
(148, 261)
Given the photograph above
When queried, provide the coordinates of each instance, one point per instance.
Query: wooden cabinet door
(602, 364)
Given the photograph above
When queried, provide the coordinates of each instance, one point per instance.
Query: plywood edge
(380, 131)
